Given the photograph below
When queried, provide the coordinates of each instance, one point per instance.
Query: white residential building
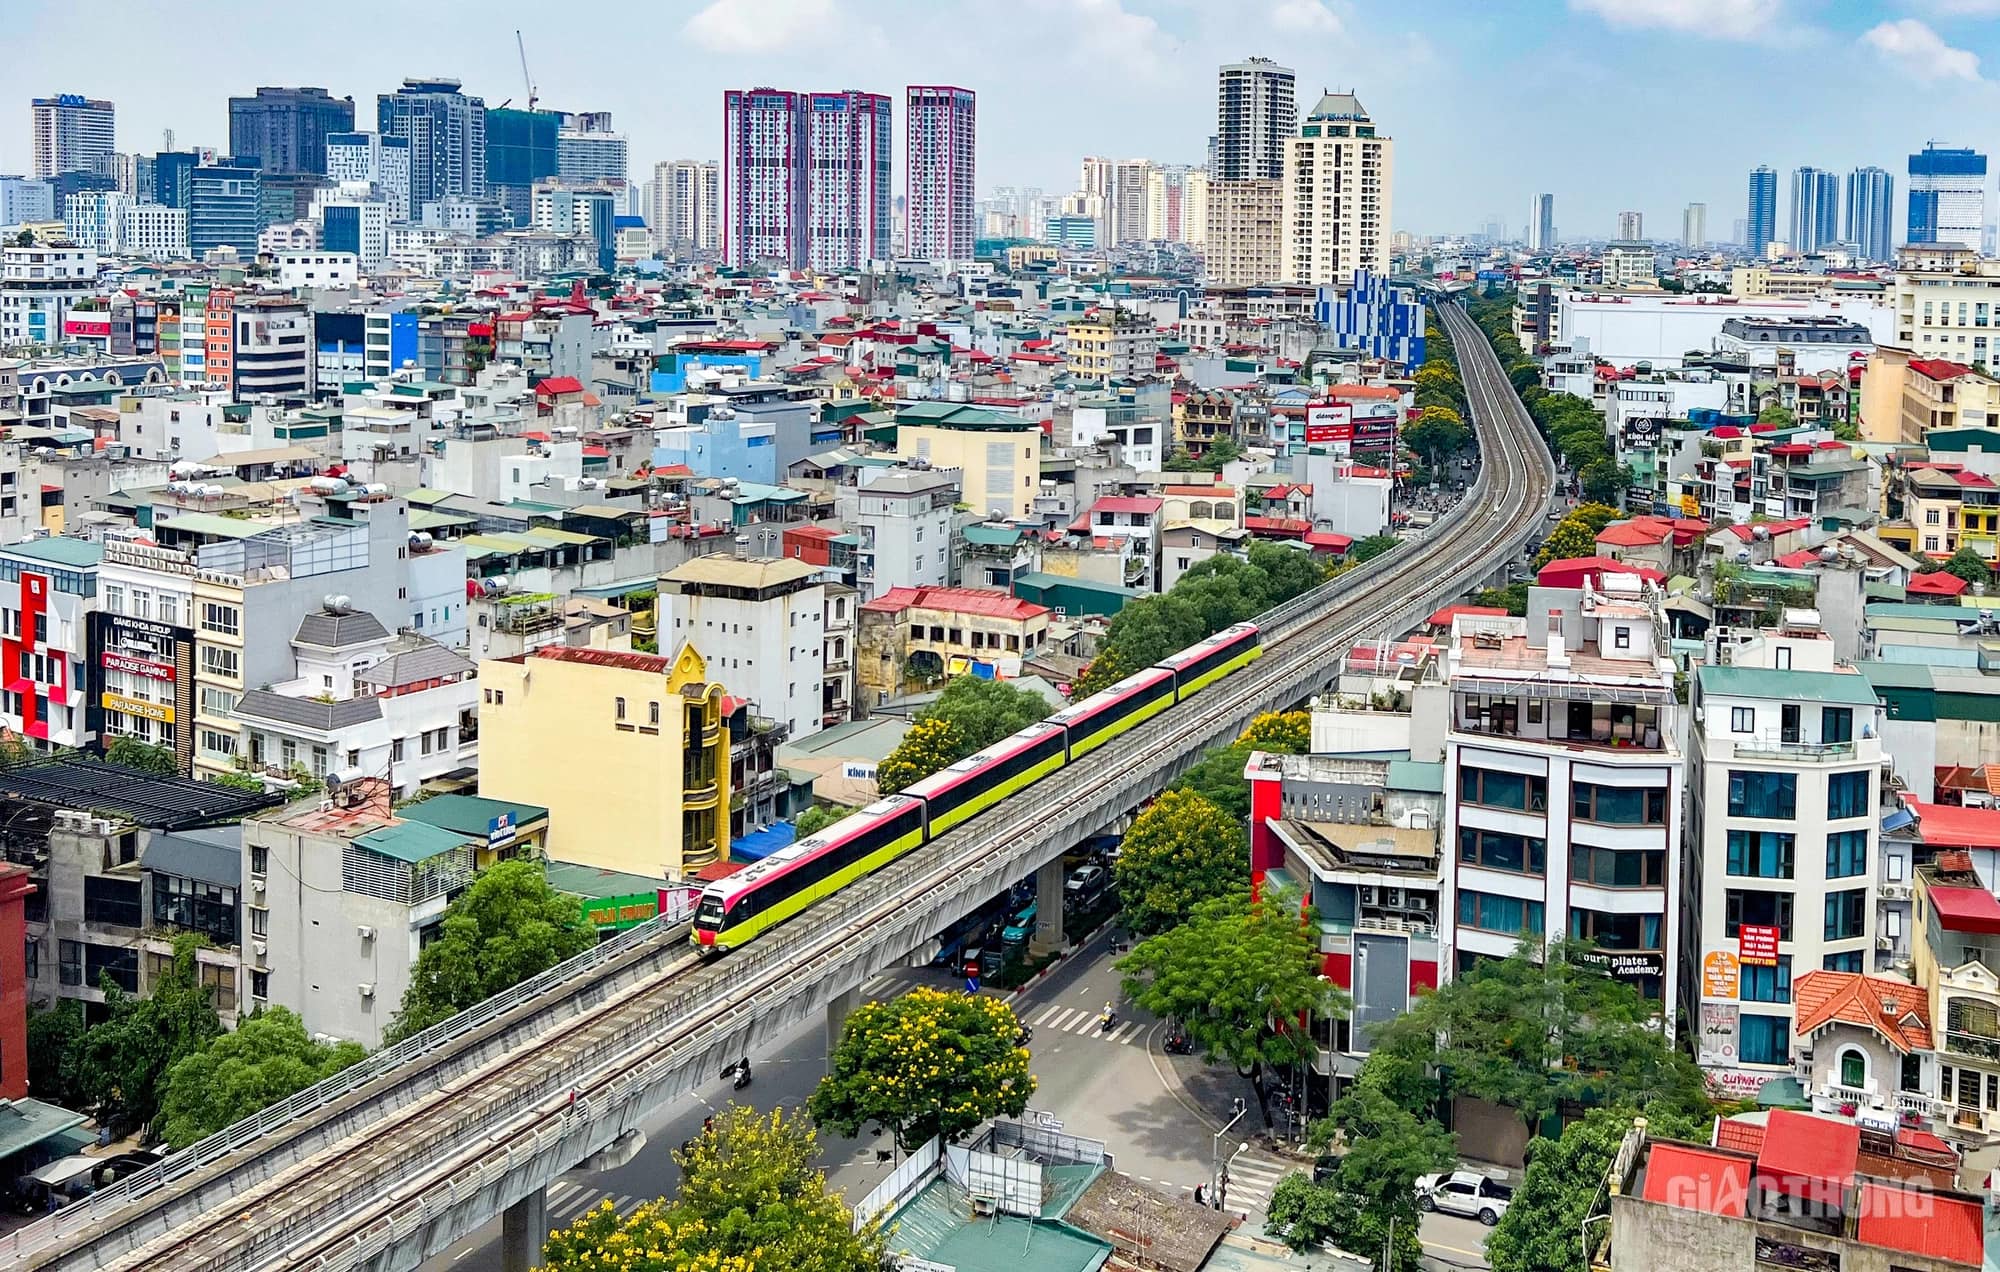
(903, 518)
(38, 285)
(1785, 757)
(318, 269)
(96, 219)
(1563, 781)
(1337, 194)
(354, 217)
(764, 620)
(682, 209)
(155, 231)
(372, 157)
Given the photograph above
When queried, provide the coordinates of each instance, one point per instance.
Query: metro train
(761, 896)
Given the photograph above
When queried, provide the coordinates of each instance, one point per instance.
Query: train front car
(761, 896)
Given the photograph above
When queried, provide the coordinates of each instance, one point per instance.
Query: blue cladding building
(1374, 317)
(1761, 216)
(222, 208)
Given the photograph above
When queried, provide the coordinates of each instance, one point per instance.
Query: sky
(1607, 104)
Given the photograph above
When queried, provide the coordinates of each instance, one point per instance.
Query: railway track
(340, 1207)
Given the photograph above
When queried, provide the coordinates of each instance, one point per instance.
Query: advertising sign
(138, 666)
(500, 830)
(1716, 1043)
(677, 903)
(1628, 963)
(1757, 945)
(1329, 422)
(618, 913)
(139, 707)
(1641, 433)
(1720, 972)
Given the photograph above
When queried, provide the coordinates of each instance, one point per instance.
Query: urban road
(374, 1197)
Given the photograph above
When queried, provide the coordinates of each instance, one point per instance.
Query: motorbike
(742, 1074)
(1024, 1037)
(1108, 1019)
(1179, 1044)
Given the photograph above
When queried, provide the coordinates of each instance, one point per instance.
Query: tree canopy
(1966, 563)
(752, 1200)
(1181, 851)
(120, 1065)
(1576, 534)
(133, 753)
(814, 820)
(1286, 731)
(969, 715)
(268, 1058)
(1541, 1227)
(1232, 969)
(1539, 1029)
(509, 925)
(1439, 433)
(928, 1063)
(1218, 778)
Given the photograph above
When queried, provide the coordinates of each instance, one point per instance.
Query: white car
(1464, 1192)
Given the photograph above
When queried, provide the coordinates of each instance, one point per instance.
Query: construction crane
(526, 78)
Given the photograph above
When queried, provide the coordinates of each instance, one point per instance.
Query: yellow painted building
(627, 752)
(998, 456)
(1881, 405)
(1111, 343)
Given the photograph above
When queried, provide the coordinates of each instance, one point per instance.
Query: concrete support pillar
(524, 1227)
(1049, 908)
(837, 1012)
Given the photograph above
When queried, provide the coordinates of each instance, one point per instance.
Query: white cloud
(759, 26)
(1921, 51)
(1311, 17)
(1963, 8)
(1103, 33)
(1715, 19)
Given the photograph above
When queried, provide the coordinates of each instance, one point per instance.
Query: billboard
(1329, 423)
(1757, 945)
(162, 653)
(1715, 1045)
(1720, 972)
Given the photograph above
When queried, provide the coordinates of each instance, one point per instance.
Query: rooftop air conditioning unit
(257, 887)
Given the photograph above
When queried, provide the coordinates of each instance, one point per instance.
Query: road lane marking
(624, 1200)
(1064, 1020)
(1125, 1035)
(1046, 1013)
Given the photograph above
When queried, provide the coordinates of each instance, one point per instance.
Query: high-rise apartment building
(1256, 113)
(71, 133)
(806, 178)
(683, 206)
(939, 124)
(1947, 196)
(96, 219)
(1337, 184)
(1870, 223)
(222, 208)
(1761, 217)
(447, 135)
(285, 129)
(1694, 226)
(1246, 238)
(377, 158)
(1631, 226)
(1815, 209)
(1542, 223)
(588, 150)
(1168, 203)
(520, 150)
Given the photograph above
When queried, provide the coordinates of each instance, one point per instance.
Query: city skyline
(1908, 79)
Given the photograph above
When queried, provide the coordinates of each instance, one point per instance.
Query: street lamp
(1222, 1181)
(1583, 1231)
(1215, 1150)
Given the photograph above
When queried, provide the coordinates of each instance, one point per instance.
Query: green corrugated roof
(548, 536)
(58, 550)
(25, 1123)
(427, 495)
(212, 523)
(1416, 775)
(1789, 686)
(472, 814)
(595, 881)
(413, 841)
(432, 519)
(993, 536)
(1942, 614)
(1895, 675)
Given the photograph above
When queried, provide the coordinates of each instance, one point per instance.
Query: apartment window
(653, 714)
(114, 598)
(1846, 914)
(32, 959)
(1767, 984)
(1621, 638)
(220, 662)
(396, 750)
(111, 901)
(222, 619)
(1499, 851)
(260, 861)
(260, 985)
(620, 707)
(1836, 724)
(70, 968)
(1758, 909)
(1755, 794)
(1766, 1040)
(1619, 805)
(1847, 795)
(1522, 792)
(1846, 854)
(1760, 854)
(1617, 868)
(1848, 962)
(260, 921)
(170, 608)
(1491, 913)
(1742, 719)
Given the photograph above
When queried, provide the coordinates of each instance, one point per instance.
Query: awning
(211, 856)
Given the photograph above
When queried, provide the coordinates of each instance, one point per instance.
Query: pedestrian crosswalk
(1085, 1023)
(1252, 1176)
(569, 1200)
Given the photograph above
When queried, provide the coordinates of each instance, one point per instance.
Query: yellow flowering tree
(931, 744)
(752, 1201)
(928, 1063)
(1181, 851)
(1286, 731)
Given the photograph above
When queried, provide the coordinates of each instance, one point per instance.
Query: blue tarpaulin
(760, 844)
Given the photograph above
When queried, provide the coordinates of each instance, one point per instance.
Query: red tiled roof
(1725, 432)
(1738, 1134)
(1125, 503)
(1287, 527)
(1897, 1010)
(1329, 540)
(1551, 574)
(716, 870)
(1807, 1156)
(557, 384)
(1636, 533)
(1363, 392)
(657, 663)
(1796, 560)
(1946, 826)
(1747, 533)
(811, 532)
(1936, 583)
(1792, 450)
(1920, 1222)
(958, 600)
(1939, 368)
(1698, 1179)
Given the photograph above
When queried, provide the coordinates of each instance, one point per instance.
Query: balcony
(1981, 1046)
(1797, 752)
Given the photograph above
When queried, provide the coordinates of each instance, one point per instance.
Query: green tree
(752, 1199)
(977, 713)
(268, 1058)
(1576, 534)
(1438, 434)
(1541, 1227)
(1218, 778)
(1513, 598)
(55, 1035)
(509, 925)
(814, 820)
(239, 780)
(132, 753)
(1539, 1029)
(927, 1063)
(1782, 416)
(929, 745)
(1365, 550)
(1965, 563)
(1241, 977)
(26, 238)
(122, 1063)
(1286, 731)
(1182, 850)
